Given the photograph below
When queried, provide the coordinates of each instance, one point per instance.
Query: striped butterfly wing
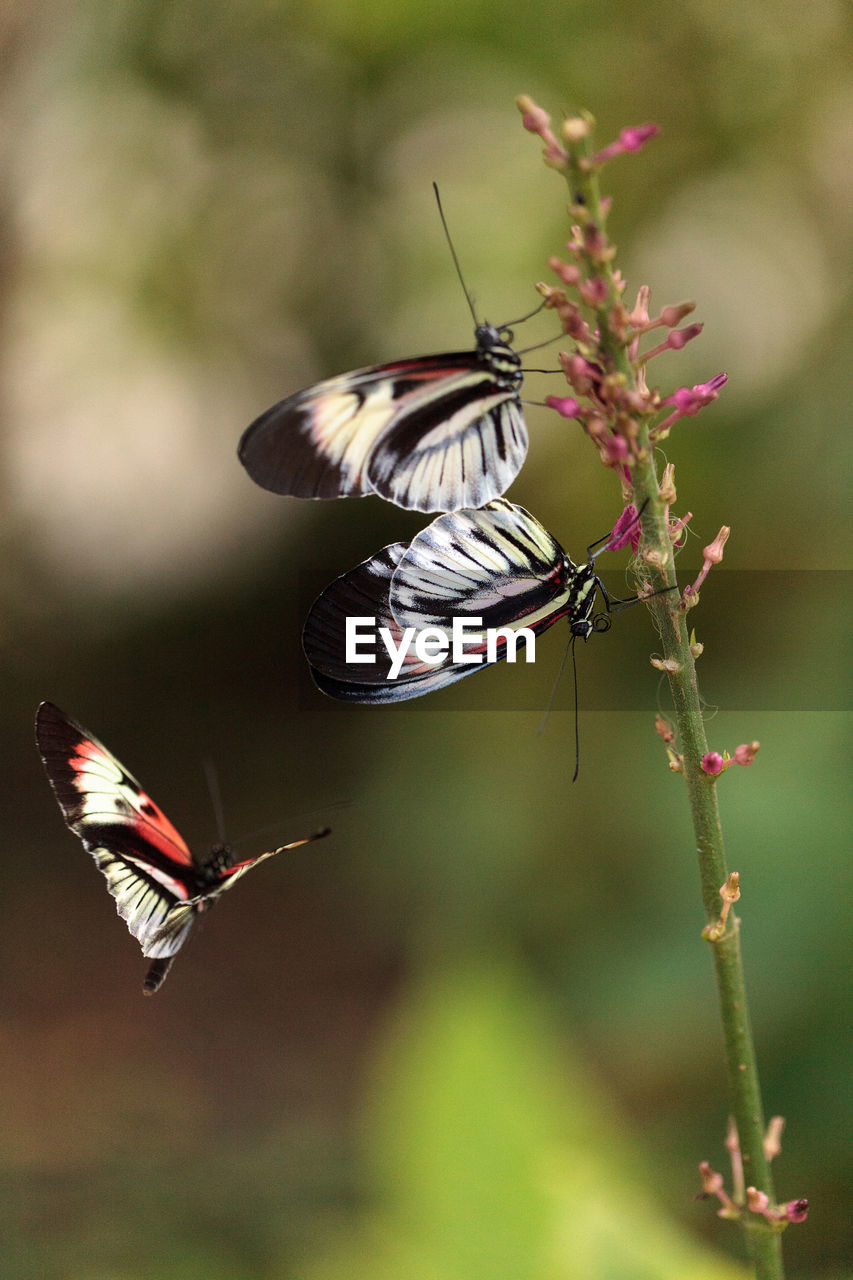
(363, 593)
(148, 868)
(216, 877)
(498, 564)
(435, 433)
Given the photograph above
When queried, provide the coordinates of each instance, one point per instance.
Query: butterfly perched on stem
(158, 885)
(433, 433)
(497, 564)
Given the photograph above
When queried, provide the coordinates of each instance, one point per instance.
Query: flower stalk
(611, 398)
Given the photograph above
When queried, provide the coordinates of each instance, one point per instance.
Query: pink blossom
(633, 138)
(565, 405)
(689, 400)
(536, 120)
(712, 554)
(757, 1201)
(626, 529)
(582, 374)
(568, 273)
(630, 139)
(673, 315)
(745, 753)
(712, 763)
(675, 340)
(614, 451)
(797, 1210)
(593, 291)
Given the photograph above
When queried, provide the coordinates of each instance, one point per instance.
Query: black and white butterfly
(498, 564)
(158, 885)
(433, 433)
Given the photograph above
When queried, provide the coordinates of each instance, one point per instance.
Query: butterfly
(497, 564)
(434, 433)
(158, 885)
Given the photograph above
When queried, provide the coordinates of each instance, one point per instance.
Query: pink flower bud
(664, 729)
(712, 763)
(568, 273)
(688, 401)
(712, 1182)
(576, 128)
(581, 374)
(640, 315)
(565, 405)
(757, 1201)
(679, 338)
(614, 450)
(630, 139)
(593, 291)
(626, 529)
(745, 753)
(536, 120)
(673, 315)
(797, 1210)
(713, 553)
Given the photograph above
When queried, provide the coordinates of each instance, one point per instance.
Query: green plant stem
(762, 1238)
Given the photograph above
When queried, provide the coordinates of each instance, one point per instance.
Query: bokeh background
(474, 1034)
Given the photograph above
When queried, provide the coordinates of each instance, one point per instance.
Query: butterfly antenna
(453, 254)
(538, 345)
(212, 776)
(556, 685)
(616, 606)
(529, 316)
(297, 817)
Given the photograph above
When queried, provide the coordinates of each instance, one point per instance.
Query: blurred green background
(473, 1035)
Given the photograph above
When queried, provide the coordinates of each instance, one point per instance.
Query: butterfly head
(220, 858)
(494, 349)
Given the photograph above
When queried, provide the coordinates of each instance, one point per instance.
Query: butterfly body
(432, 433)
(497, 564)
(158, 885)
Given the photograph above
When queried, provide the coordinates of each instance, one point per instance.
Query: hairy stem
(764, 1242)
(657, 564)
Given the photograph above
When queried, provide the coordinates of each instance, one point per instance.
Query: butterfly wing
(498, 564)
(148, 868)
(363, 593)
(430, 434)
(459, 447)
(230, 875)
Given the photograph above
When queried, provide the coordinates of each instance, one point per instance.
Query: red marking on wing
(158, 830)
(239, 866)
(149, 820)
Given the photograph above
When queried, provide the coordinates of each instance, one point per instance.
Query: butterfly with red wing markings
(497, 563)
(158, 885)
(434, 433)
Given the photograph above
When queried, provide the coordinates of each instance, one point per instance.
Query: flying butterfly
(432, 433)
(158, 885)
(497, 563)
